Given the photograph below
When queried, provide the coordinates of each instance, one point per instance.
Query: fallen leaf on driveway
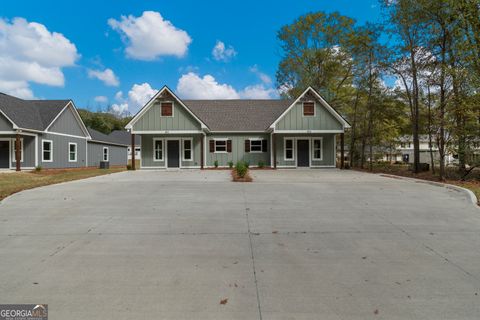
(376, 311)
(224, 301)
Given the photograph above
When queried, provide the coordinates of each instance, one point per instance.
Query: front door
(4, 154)
(303, 153)
(173, 153)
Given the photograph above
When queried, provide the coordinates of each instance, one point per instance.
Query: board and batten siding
(147, 150)
(328, 149)
(5, 124)
(60, 151)
(152, 119)
(117, 155)
(238, 150)
(295, 120)
(67, 123)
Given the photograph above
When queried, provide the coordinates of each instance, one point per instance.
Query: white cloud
(192, 86)
(100, 99)
(29, 52)
(107, 76)
(150, 36)
(263, 76)
(138, 96)
(221, 53)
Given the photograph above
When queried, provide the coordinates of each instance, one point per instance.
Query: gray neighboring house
(295, 133)
(49, 133)
(108, 148)
(124, 137)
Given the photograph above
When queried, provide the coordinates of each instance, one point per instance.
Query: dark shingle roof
(98, 136)
(124, 137)
(31, 114)
(238, 115)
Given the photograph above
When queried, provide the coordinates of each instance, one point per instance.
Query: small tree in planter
(240, 172)
(230, 164)
(215, 163)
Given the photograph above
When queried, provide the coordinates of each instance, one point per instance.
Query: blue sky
(99, 58)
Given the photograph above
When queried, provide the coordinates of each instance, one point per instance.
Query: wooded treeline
(429, 48)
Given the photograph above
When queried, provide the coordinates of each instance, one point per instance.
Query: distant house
(51, 134)
(293, 133)
(124, 137)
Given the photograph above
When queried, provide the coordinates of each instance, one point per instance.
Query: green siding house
(179, 133)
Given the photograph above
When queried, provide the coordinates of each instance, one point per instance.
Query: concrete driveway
(306, 244)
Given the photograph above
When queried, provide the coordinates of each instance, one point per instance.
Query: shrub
(216, 163)
(261, 164)
(241, 169)
(38, 168)
(247, 164)
(230, 164)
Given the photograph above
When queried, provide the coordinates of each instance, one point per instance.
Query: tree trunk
(353, 136)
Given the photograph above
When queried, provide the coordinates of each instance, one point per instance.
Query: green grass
(11, 183)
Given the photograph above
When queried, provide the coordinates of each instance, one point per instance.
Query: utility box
(104, 165)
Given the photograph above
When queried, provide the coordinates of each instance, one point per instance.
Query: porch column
(274, 149)
(133, 151)
(202, 151)
(342, 150)
(17, 151)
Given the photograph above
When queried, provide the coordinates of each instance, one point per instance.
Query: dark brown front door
(4, 154)
(303, 153)
(173, 153)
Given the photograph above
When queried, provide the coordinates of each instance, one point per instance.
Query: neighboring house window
(309, 108)
(167, 109)
(105, 153)
(317, 149)
(288, 147)
(402, 145)
(187, 150)
(72, 152)
(157, 150)
(137, 151)
(14, 150)
(47, 151)
(220, 145)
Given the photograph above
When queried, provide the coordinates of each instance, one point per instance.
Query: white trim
(314, 109)
(215, 145)
(324, 103)
(233, 131)
(66, 135)
(271, 150)
(321, 148)
(51, 150)
(75, 114)
(173, 107)
(22, 148)
(76, 151)
(307, 131)
(36, 150)
(19, 131)
(172, 132)
(148, 105)
(285, 149)
(103, 154)
(163, 150)
(183, 149)
(86, 153)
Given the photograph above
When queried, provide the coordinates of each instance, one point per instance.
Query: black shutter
(264, 145)
(247, 145)
(229, 145)
(212, 146)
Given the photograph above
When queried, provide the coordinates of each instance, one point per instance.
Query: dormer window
(167, 109)
(309, 109)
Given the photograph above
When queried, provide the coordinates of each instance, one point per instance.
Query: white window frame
(154, 151)
(76, 151)
(285, 149)
(261, 145)
(314, 109)
(13, 143)
(103, 154)
(191, 149)
(173, 108)
(215, 145)
(51, 150)
(321, 148)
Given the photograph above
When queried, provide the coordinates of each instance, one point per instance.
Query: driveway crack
(252, 255)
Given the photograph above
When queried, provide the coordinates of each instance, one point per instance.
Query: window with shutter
(309, 109)
(255, 145)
